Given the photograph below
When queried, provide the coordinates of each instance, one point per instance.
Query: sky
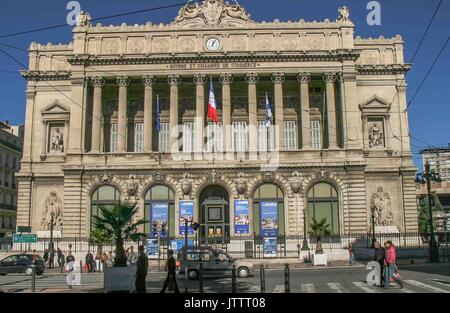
(429, 113)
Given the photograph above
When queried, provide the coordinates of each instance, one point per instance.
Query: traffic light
(195, 226)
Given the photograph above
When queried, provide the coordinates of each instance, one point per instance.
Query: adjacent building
(120, 115)
(11, 141)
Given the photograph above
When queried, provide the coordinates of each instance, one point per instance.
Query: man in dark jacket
(171, 273)
(378, 256)
(141, 270)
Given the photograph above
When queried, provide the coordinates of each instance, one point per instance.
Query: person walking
(171, 273)
(51, 259)
(378, 256)
(141, 270)
(46, 258)
(389, 262)
(58, 256)
(351, 256)
(61, 260)
(104, 261)
(110, 261)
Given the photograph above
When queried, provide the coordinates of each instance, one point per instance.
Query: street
(419, 278)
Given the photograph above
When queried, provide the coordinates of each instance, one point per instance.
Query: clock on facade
(213, 44)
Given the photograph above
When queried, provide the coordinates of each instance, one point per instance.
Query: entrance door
(214, 215)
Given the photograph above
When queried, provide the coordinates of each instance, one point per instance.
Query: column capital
(251, 78)
(173, 79)
(278, 78)
(122, 81)
(304, 77)
(226, 78)
(148, 80)
(97, 81)
(329, 77)
(199, 79)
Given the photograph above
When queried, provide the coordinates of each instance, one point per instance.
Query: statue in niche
(375, 136)
(380, 204)
(52, 205)
(57, 141)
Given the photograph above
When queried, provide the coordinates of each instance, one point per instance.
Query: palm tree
(118, 224)
(319, 229)
(100, 237)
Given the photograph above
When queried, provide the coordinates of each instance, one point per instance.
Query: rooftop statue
(83, 19)
(344, 14)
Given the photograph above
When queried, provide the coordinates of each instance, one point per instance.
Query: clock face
(213, 44)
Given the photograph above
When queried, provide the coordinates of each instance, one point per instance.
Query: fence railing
(253, 246)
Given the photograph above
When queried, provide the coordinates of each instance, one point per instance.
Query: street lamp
(373, 227)
(305, 242)
(426, 178)
(194, 226)
(50, 244)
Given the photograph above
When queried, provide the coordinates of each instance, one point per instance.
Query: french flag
(212, 108)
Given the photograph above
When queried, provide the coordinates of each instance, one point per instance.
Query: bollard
(233, 279)
(286, 279)
(33, 279)
(200, 277)
(262, 277)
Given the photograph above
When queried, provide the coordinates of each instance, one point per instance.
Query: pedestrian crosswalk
(428, 287)
(337, 287)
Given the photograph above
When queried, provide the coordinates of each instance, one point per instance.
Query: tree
(424, 213)
(100, 237)
(320, 228)
(118, 224)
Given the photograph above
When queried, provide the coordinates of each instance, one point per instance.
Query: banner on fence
(177, 245)
(270, 247)
(186, 213)
(241, 221)
(269, 219)
(160, 219)
(152, 247)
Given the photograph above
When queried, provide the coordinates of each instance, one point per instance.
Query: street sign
(24, 238)
(24, 229)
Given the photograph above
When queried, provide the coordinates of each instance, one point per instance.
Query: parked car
(22, 263)
(214, 261)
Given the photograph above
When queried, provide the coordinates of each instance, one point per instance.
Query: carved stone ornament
(83, 19)
(158, 177)
(344, 14)
(132, 185)
(296, 184)
(186, 184)
(268, 177)
(212, 175)
(241, 185)
(380, 203)
(52, 205)
(104, 177)
(322, 174)
(212, 13)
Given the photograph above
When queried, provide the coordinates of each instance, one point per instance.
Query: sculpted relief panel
(52, 206)
(380, 204)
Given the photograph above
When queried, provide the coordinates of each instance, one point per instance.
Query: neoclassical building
(119, 115)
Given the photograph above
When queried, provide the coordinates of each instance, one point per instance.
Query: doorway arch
(214, 214)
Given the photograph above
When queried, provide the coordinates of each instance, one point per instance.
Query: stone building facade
(338, 139)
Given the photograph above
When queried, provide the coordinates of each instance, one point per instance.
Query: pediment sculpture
(52, 205)
(380, 203)
(212, 13)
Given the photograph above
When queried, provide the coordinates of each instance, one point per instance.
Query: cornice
(45, 75)
(390, 69)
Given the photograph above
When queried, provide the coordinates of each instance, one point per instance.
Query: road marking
(365, 287)
(308, 288)
(278, 289)
(337, 287)
(425, 286)
(447, 284)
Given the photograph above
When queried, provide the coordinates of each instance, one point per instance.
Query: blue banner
(269, 219)
(270, 247)
(152, 247)
(186, 213)
(241, 221)
(160, 219)
(177, 245)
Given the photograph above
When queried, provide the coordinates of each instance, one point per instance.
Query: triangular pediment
(375, 103)
(212, 13)
(55, 107)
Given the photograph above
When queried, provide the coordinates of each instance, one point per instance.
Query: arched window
(159, 211)
(323, 202)
(268, 210)
(104, 196)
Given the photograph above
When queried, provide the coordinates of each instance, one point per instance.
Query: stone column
(226, 79)
(97, 83)
(199, 80)
(174, 81)
(123, 82)
(77, 114)
(330, 79)
(252, 80)
(305, 126)
(278, 79)
(29, 127)
(148, 82)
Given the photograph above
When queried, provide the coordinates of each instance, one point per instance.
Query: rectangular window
(139, 137)
(214, 137)
(114, 135)
(164, 138)
(316, 135)
(240, 142)
(290, 135)
(188, 136)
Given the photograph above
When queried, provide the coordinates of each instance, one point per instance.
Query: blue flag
(268, 112)
(158, 115)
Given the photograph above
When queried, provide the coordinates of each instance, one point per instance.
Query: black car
(22, 263)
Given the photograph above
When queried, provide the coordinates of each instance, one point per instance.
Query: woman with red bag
(391, 268)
